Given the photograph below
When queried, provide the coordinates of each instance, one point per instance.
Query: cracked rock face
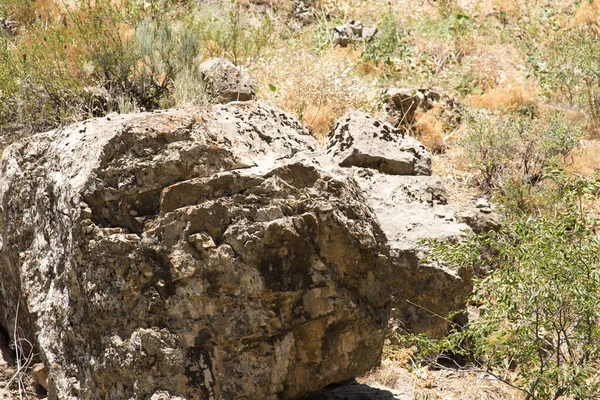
(362, 141)
(190, 254)
(226, 82)
(393, 171)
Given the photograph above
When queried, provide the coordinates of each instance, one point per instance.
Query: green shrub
(225, 31)
(539, 325)
(516, 148)
(132, 51)
(568, 67)
(389, 43)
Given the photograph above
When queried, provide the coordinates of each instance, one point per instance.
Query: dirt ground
(427, 384)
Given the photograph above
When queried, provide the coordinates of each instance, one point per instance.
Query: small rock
(480, 220)
(40, 373)
(482, 202)
(353, 31)
(202, 241)
(227, 82)
(403, 106)
(303, 11)
(9, 26)
(360, 140)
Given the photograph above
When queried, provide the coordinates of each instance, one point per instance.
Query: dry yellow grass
(587, 13)
(506, 95)
(317, 88)
(430, 130)
(586, 159)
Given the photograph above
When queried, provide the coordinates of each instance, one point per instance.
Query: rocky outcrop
(226, 82)
(410, 206)
(404, 106)
(218, 253)
(352, 32)
(362, 141)
(190, 254)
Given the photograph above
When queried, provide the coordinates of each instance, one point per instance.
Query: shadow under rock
(352, 390)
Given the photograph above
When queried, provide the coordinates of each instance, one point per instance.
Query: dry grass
(587, 13)
(507, 95)
(317, 88)
(430, 130)
(586, 159)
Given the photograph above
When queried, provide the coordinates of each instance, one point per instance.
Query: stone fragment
(351, 32)
(404, 106)
(481, 220)
(9, 26)
(226, 82)
(40, 374)
(360, 140)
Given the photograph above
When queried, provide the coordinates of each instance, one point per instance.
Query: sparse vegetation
(526, 73)
(538, 326)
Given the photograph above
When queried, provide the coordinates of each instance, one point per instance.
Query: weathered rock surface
(404, 105)
(356, 391)
(353, 31)
(218, 253)
(226, 82)
(362, 141)
(190, 254)
(480, 220)
(409, 209)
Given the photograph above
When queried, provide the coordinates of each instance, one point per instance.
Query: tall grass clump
(512, 151)
(97, 58)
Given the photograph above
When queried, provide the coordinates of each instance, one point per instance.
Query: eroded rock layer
(200, 254)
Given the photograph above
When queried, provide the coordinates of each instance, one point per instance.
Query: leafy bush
(389, 44)
(568, 67)
(516, 148)
(539, 325)
(130, 51)
(225, 32)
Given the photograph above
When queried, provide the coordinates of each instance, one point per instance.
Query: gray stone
(407, 208)
(303, 11)
(352, 32)
(481, 220)
(226, 82)
(9, 26)
(403, 105)
(290, 291)
(360, 140)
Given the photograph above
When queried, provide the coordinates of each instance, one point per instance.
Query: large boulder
(201, 254)
(393, 171)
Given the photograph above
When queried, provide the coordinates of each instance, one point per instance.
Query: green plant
(225, 31)
(129, 52)
(539, 325)
(569, 69)
(516, 147)
(389, 45)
